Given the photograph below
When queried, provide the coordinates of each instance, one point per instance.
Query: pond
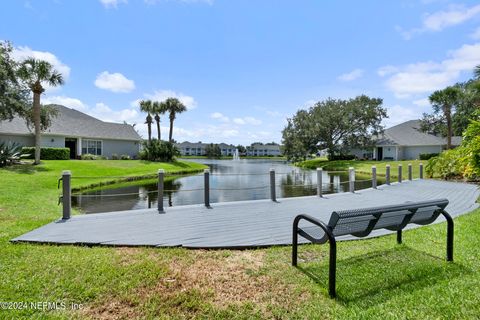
(231, 180)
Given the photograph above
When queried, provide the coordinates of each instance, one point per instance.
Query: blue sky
(243, 67)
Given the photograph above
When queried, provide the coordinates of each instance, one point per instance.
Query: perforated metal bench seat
(361, 222)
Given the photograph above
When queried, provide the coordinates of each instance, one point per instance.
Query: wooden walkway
(239, 224)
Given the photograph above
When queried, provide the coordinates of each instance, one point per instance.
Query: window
(92, 147)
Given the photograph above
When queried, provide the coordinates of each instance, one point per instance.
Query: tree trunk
(157, 119)
(170, 135)
(36, 121)
(448, 116)
(149, 126)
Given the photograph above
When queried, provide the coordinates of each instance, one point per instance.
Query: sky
(242, 67)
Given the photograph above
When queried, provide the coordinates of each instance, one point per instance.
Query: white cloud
(100, 111)
(239, 121)
(386, 70)
(105, 113)
(22, 53)
(426, 77)
(476, 34)
(112, 3)
(350, 76)
(65, 101)
(437, 21)
(398, 114)
(115, 82)
(161, 95)
(422, 102)
(247, 120)
(219, 116)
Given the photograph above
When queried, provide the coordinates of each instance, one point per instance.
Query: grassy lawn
(377, 279)
(365, 166)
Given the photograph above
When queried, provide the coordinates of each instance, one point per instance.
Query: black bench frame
(377, 212)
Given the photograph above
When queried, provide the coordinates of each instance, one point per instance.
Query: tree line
(333, 124)
(340, 125)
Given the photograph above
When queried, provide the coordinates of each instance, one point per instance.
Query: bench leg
(294, 246)
(449, 235)
(332, 268)
(295, 242)
(399, 236)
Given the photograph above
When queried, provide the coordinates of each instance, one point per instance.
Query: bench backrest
(360, 222)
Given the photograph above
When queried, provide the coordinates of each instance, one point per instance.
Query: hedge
(48, 153)
(427, 156)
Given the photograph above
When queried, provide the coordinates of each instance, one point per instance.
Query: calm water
(244, 179)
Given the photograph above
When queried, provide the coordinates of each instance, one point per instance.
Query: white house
(77, 131)
(199, 149)
(258, 149)
(405, 141)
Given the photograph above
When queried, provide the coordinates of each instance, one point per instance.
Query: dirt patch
(216, 278)
(112, 310)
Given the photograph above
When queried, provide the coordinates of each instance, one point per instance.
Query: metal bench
(361, 222)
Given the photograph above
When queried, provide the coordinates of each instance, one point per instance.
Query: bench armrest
(314, 221)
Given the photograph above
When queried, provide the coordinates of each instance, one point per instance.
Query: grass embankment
(377, 278)
(365, 166)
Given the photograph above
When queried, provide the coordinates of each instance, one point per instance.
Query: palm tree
(159, 108)
(36, 73)
(476, 72)
(173, 106)
(147, 106)
(445, 100)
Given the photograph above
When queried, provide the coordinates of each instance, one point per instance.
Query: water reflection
(230, 181)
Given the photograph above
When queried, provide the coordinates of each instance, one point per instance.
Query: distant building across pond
(187, 148)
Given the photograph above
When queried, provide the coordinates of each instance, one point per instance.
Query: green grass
(377, 279)
(365, 166)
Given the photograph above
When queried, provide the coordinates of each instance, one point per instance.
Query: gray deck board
(240, 224)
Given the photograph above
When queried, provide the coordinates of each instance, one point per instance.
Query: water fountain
(236, 155)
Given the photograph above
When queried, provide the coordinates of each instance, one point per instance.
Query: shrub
(447, 165)
(48, 153)
(88, 156)
(10, 153)
(341, 157)
(114, 156)
(427, 156)
(159, 151)
(213, 151)
(463, 161)
(125, 157)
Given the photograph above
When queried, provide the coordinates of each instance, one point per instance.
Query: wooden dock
(241, 224)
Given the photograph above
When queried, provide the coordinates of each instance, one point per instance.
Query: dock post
(421, 170)
(273, 195)
(399, 173)
(206, 178)
(351, 179)
(374, 177)
(67, 194)
(410, 172)
(319, 181)
(387, 174)
(161, 174)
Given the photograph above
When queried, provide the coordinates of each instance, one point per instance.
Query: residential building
(77, 131)
(405, 141)
(187, 148)
(258, 149)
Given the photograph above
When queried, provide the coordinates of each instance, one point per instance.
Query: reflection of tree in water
(297, 184)
(170, 187)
